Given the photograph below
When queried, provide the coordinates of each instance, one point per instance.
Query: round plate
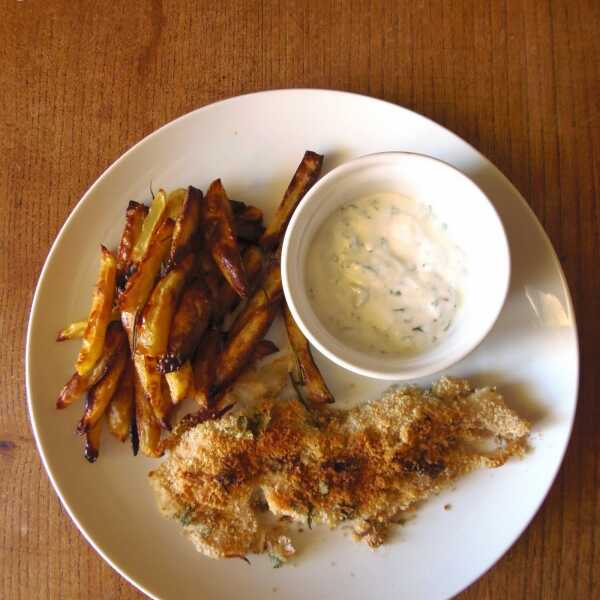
(254, 143)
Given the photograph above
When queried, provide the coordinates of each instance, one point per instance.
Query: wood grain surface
(81, 81)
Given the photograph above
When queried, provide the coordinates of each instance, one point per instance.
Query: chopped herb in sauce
(372, 252)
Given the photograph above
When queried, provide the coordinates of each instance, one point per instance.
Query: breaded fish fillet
(361, 466)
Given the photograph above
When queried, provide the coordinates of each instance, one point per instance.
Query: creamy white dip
(383, 276)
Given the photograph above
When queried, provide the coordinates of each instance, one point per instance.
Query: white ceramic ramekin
(473, 225)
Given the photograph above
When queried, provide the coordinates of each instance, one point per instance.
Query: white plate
(254, 143)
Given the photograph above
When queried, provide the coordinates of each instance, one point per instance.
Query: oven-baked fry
(100, 312)
(120, 407)
(219, 235)
(79, 384)
(311, 378)
(154, 326)
(304, 178)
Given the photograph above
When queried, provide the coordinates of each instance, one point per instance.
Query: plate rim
(34, 307)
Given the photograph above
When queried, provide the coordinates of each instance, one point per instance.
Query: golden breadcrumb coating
(361, 466)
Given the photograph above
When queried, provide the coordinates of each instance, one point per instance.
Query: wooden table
(80, 82)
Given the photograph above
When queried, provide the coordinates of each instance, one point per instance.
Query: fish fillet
(362, 466)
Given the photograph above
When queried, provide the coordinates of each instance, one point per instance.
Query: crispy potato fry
(175, 201)
(227, 298)
(304, 178)
(155, 388)
(76, 329)
(73, 331)
(99, 317)
(79, 384)
(92, 442)
(217, 220)
(314, 384)
(270, 290)
(154, 326)
(204, 366)
(120, 407)
(153, 221)
(240, 348)
(101, 394)
(147, 430)
(140, 283)
(189, 323)
(248, 231)
(134, 219)
(186, 226)
(180, 382)
(250, 327)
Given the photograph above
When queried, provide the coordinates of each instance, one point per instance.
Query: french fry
(76, 329)
(147, 430)
(140, 283)
(120, 407)
(92, 442)
(189, 323)
(250, 327)
(270, 288)
(186, 226)
(155, 388)
(134, 219)
(311, 378)
(239, 349)
(153, 221)
(101, 394)
(180, 382)
(99, 317)
(204, 367)
(79, 384)
(154, 326)
(227, 298)
(304, 178)
(217, 220)
(175, 201)
(73, 331)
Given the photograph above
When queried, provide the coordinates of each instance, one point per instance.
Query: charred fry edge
(189, 323)
(91, 448)
(227, 298)
(102, 392)
(220, 237)
(134, 218)
(313, 381)
(79, 384)
(204, 366)
(304, 178)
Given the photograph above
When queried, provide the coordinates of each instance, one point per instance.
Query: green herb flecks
(276, 561)
(186, 516)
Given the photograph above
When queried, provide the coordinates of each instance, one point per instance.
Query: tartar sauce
(383, 276)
